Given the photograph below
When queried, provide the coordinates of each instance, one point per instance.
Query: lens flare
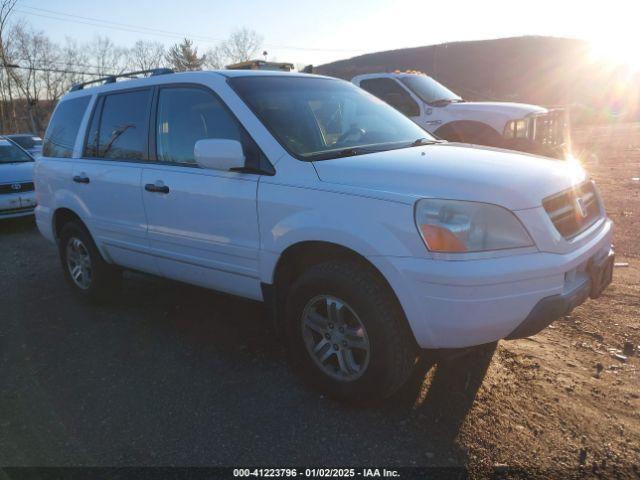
(615, 52)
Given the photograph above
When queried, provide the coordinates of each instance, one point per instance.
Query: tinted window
(391, 92)
(63, 128)
(316, 118)
(186, 115)
(119, 129)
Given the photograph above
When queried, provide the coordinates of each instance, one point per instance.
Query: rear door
(203, 224)
(108, 176)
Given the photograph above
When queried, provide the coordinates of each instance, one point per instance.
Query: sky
(316, 32)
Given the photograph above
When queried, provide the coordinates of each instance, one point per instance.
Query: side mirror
(219, 154)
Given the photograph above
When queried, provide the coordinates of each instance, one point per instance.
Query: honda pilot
(368, 239)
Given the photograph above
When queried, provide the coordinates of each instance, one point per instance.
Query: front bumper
(456, 304)
(17, 204)
(549, 309)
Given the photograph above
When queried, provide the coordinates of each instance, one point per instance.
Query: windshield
(320, 118)
(27, 141)
(428, 90)
(9, 153)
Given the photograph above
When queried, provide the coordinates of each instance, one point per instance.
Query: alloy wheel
(79, 263)
(335, 337)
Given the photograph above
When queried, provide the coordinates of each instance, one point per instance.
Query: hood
(513, 111)
(456, 171)
(16, 172)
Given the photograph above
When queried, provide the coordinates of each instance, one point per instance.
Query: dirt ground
(176, 375)
(561, 400)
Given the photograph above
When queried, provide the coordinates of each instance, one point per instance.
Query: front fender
(371, 227)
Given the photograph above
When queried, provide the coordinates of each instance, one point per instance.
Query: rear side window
(63, 128)
(119, 126)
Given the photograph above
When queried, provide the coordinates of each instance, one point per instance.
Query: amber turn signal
(439, 239)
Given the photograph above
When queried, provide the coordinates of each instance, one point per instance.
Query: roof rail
(112, 78)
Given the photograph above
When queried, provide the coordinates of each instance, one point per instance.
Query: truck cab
(515, 126)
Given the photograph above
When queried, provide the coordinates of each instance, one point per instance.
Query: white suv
(368, 238)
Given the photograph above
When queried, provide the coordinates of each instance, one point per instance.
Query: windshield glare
(314, 117)
(428, 90)
(11, 154)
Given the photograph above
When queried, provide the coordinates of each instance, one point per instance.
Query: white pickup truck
(516, 126)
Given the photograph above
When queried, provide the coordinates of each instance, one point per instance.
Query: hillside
(540, 70)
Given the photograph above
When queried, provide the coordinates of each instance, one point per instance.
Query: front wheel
(347, 334)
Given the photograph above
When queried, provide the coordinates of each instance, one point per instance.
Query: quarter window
(119, 128)
(63, 128)
(390, 91)
(186, 115)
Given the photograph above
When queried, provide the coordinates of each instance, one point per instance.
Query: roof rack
(112, 78)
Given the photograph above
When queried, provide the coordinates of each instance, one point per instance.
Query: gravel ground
(171, 374)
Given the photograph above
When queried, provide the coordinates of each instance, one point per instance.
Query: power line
(119, 24)
(96, 22)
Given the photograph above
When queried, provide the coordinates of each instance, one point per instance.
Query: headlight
(458, 226)
(517, 128)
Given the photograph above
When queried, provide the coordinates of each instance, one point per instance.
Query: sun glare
(616, 52)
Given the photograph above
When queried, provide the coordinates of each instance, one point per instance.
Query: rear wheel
(346, 333)
(84, 268)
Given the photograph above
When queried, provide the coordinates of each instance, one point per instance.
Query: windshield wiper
(352, 151)
(346, 152)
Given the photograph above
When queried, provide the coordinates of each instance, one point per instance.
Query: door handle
(152, 187)
(81, 179)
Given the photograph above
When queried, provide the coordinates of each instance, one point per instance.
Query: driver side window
(186, 115)
(391, 92)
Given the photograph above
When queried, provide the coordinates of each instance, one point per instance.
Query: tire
(98, 280)
(376, 360)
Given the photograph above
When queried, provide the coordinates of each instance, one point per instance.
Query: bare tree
(6, 7)
(106, 57)
(241, 46)
(37, 57)
(184, 56)
(215, 58)
(74, 57)
(146, 55)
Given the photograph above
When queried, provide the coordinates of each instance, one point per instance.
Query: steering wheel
(361, 132)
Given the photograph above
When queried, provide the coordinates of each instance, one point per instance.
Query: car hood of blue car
(17, 172)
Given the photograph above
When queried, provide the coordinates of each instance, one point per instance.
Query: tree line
(36, 71)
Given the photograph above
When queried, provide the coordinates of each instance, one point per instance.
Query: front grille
(575, 210)
(550, 129)
(11, 211)
(13, 187)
